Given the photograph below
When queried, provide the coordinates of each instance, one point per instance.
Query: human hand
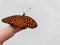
(7, 33)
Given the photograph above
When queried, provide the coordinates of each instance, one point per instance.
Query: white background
(45, 12)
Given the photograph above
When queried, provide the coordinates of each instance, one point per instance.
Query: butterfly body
(20, 21)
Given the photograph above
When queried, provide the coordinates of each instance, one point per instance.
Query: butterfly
(20, 21)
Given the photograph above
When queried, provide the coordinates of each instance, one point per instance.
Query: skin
(7, 33)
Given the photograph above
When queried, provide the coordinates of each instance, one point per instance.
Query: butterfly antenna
(22, 10)
(26, 11)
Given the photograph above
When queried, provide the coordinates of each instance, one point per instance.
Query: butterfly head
(23, 14)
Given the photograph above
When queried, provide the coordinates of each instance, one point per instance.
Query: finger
(7, 33)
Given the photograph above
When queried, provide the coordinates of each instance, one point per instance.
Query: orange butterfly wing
(20, 21)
